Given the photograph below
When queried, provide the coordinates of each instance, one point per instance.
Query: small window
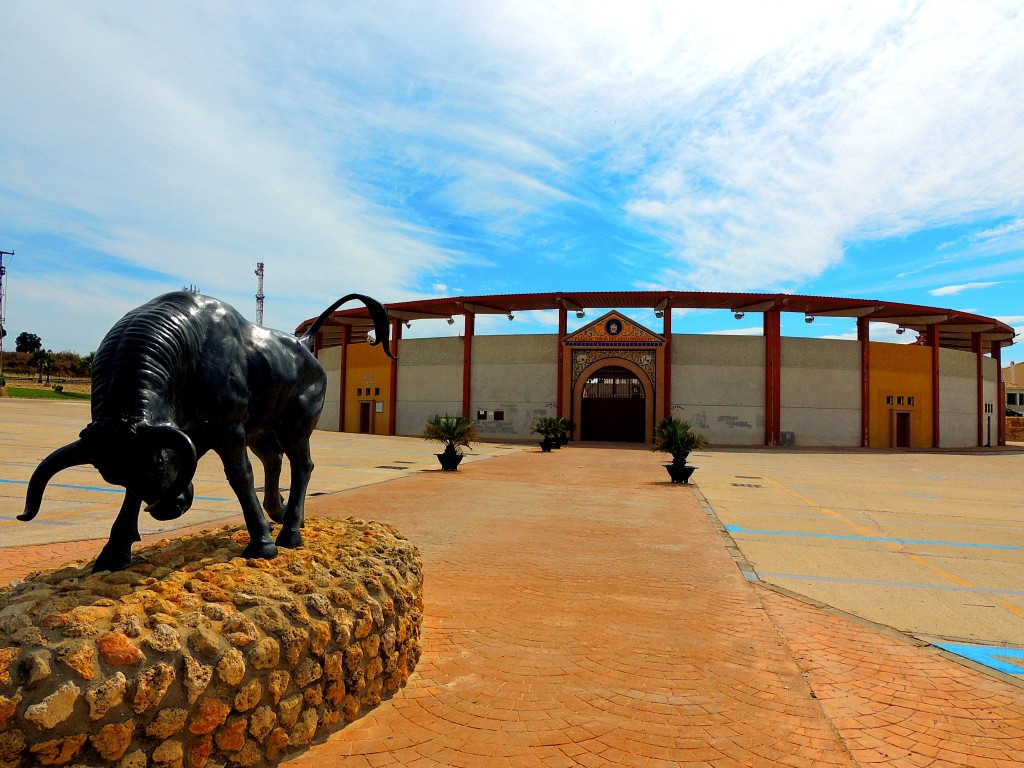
(499, 415)
(376, 391)
(481, 415)
(910, 400)
(888, 400)
(899, 400)
(359, 391)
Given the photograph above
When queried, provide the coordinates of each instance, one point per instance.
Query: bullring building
(614, 378)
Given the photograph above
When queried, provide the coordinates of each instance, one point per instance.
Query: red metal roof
(956, 327)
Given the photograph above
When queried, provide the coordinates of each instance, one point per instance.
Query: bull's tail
(377, 312)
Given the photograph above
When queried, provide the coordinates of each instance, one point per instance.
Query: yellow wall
(898, 370)
(368, 370)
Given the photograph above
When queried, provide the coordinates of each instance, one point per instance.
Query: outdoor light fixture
(808, 318)
(511, 316)
(408, 323)
(900, 331)
(659, 313)
(370, 338)
(739, 315)
(451, 320)
(580, 313)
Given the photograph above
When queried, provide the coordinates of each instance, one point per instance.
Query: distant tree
(27, 342)
(43, 360)
(84, 364)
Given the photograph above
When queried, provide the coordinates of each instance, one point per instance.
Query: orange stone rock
(209, 716)
(111, 741)
(58, 751)
(117, 649)
(7, 655)
(199, 752)
(319, 637)
(277, 742)
(81, 658)
(231, 736)
(7, 708)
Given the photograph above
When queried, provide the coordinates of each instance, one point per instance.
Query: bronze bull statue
(185, 374)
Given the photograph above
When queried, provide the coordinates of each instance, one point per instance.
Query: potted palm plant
(549, 428)
(677, 438)
(568, 427)
(455, 433)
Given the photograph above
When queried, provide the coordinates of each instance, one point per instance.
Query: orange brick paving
(898, 704)
(580, 611)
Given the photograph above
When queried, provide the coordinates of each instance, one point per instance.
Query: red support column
(1000, 414)
(934, 336)
(563, 327)
(772, 376)
(667, 373)
(467, 363)
(864, 337)
(396, 336)
(979, 356)
(346, 337)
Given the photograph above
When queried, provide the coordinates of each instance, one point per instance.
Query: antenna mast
(259, 294)
(3, 303)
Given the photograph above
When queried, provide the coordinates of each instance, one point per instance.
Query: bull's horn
(378, 312)
(70, 455)
(177, 441)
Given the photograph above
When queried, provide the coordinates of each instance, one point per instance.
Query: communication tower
(259, 294)
(3, 304)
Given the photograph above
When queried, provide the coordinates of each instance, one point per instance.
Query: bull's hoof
(260, 550)
(289, 538)
(275, 511)
(113, 559)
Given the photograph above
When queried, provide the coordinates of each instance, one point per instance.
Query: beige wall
(718, 386)
(1014, 373)
(429, 381)
(821, 391)
(330, 359)
(958, 399)
(517, 375)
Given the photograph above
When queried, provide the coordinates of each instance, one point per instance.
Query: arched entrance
(613, 405)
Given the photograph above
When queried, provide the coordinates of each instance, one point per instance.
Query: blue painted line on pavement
(992, 657)
(896, 584)
(102, 489)
(880, 539)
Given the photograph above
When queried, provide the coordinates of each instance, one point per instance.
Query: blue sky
(403, 149)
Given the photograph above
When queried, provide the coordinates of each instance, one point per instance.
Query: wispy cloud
(950, 290)
(530, 145)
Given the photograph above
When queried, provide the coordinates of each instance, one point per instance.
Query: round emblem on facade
(646, 359)
(613, 327)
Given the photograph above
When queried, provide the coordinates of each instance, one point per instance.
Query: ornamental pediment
(614, 330)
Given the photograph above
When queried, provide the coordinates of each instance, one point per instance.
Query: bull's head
(156, 463)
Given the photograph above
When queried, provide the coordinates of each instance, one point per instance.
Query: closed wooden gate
(613, 407)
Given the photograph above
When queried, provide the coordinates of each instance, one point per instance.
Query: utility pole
(259, 294)
(3, 303)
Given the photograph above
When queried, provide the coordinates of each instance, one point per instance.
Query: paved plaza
(581, 610)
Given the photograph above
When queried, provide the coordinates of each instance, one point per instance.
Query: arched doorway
(613, 406)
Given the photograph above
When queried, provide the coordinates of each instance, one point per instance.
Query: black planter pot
(680, 473)
(546, 445)
(449, 461)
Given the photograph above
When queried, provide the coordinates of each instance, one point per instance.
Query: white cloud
(950, 290)
(377, 147)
